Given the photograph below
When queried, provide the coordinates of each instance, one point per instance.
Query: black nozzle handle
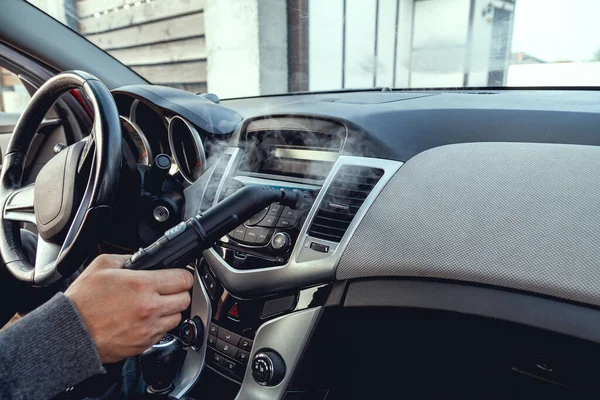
(241, 206)
(185, 240)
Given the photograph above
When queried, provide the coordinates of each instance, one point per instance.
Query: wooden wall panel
(135, 15)
(162, 40)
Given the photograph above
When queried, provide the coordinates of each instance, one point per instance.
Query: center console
(262, 286)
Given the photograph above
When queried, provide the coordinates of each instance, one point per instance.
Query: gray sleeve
(46, 352)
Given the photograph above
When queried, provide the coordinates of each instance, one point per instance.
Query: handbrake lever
(183, 241)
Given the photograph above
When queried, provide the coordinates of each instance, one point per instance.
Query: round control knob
(161, 213)
(268, 368)
(281, 241)
(191, 332)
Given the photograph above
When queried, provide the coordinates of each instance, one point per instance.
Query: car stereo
(266, 239)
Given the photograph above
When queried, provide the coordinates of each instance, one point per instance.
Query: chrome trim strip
(234, 151)
(195, 360)
(288, 336)
(250, 180)
(133, 110)
(306, 267)
(197, 142)
(140, 133)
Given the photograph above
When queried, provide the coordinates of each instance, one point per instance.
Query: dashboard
(482, 204)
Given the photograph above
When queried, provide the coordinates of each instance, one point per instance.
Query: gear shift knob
(161, 362)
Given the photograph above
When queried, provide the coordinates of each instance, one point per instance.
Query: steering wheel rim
(82, 229)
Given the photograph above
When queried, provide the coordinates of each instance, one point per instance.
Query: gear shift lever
(160, 363)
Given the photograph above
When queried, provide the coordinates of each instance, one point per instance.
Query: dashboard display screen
(291, 153)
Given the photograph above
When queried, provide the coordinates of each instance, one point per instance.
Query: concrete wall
(246, 47)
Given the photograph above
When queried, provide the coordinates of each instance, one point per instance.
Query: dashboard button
(218, 359)
(285, 223)
(213, 329)
(251, 235)
(264, 235)
(245, 344)
(229, 336)
(226, 348)
(239, 233)
(212, 340)
(275, 209)
(210, 284)
(269, 221)
(322, 248)
(289, 213)
(230, 366)
(243, 356)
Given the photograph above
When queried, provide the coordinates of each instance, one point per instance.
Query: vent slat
(345, 195)
(336, 191)
(342, 197)
(334, 214)
(326, 236)
(320, 227)
(336, 223)
(358, 188)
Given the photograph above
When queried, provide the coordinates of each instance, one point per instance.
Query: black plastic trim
(565, 318)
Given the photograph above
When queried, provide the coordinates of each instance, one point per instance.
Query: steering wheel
(73, 194)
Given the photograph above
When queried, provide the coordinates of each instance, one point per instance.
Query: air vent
(213, 184)
(345, 195)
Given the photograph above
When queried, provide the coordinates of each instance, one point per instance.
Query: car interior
(384, 243)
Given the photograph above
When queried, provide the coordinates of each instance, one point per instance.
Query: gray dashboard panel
(523, 216)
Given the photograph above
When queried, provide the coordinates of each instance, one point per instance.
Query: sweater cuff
(49, 350)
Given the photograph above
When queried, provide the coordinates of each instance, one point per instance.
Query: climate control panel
(267, 238)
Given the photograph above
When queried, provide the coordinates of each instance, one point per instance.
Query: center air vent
(347, 192)
(213, 185)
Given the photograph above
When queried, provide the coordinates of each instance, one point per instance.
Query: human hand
(128, 311)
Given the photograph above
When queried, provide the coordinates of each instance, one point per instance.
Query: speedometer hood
(213, 118)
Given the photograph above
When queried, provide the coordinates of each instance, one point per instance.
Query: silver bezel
(140, 133)
(195, 359)
(199, 147)
(305, 267)
(287, 335)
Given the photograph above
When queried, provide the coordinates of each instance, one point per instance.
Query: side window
(13, 95)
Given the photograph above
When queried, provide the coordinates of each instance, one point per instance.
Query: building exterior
(255, 47)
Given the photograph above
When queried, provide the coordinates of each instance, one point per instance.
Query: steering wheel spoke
(20, 208)
(20, 205)
(45, 262)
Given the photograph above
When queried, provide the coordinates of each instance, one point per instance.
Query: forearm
(46, 352)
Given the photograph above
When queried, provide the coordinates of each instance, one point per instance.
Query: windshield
(238, 48)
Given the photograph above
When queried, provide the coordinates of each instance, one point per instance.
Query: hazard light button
(234, 313)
